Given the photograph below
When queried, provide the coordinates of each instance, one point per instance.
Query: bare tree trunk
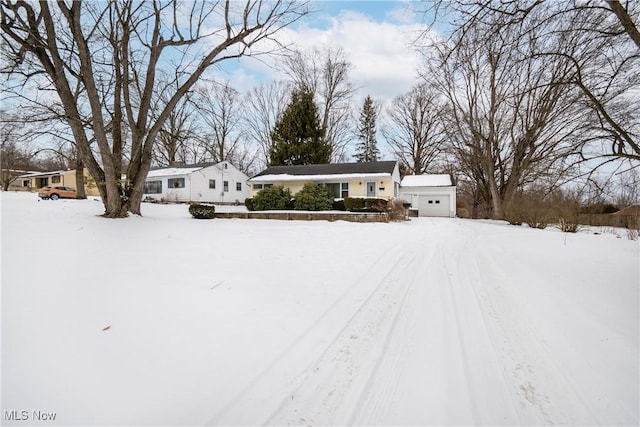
(627, 23)
(80, 190)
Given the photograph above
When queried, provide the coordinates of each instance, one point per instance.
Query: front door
(371, 189)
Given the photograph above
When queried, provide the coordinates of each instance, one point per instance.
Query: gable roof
(428, 180)
(172, 171)
(37, 174)
(633, 210)
(182, 169)
(328, 169)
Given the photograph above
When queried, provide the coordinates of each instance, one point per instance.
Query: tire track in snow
(385, 391)
(376, 398)
(332, 391)
(545, 394)
(491, 400)
(455, 312)
(240, 409)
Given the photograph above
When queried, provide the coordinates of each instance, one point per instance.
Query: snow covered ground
(167, 320)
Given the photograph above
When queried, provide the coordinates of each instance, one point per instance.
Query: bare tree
(628, 187)
(15, 160)
(601, 41)
(264, 105)
(415, 128)
(219, 108)
(109, 56)
(326, 73)
(178, 136)
(512, 121)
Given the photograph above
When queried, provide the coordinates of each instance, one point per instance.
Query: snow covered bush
(314, 197)
(199, 211)
(272, 198)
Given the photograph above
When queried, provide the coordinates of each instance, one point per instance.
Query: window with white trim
(176, 183)
(153, 187)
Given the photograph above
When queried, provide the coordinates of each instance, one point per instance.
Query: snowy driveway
(247, 322)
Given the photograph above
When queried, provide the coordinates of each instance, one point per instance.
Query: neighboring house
(33, 181)
(431, 195)
(375, 179)
(205, 182)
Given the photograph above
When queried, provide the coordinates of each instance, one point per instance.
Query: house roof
(179, 165)
(180, 169)
(633, 210)
(172, 171)
(325, 171)
(36, 174)
(428, 180)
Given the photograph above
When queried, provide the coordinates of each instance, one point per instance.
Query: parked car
(55, 193)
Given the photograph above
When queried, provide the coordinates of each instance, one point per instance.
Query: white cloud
(384, 63)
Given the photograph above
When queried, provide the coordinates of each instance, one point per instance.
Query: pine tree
(367, 148)
(298, 138)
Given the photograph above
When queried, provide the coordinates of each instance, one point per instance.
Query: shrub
(272, 198)
(314, 197)
(338, 205)
(397, 211)
(532, 207)
(353, 204)
(375, 205)
(199, 211)
(248, 202)
(567, 208)
(568, 225)
(356, 204)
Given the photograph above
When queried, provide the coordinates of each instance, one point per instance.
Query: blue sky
(377, 10)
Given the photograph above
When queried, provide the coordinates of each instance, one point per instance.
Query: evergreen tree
(367, 148)
(298, 138)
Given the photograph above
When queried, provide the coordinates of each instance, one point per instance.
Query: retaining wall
(309, 216)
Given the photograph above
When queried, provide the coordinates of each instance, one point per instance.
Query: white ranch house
(210, 183)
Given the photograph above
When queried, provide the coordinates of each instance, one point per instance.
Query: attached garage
(430, 194)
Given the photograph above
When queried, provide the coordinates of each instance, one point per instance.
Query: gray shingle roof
(331, 169)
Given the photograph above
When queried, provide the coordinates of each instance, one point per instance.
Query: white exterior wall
(411, 194)
(200, 191)
(196, 185)
(395, 177)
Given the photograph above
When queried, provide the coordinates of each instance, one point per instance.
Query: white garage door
(433, 205)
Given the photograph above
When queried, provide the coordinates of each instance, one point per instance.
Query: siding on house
(196, 187)
(429, 193)
(34, 181)
(385, 177)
